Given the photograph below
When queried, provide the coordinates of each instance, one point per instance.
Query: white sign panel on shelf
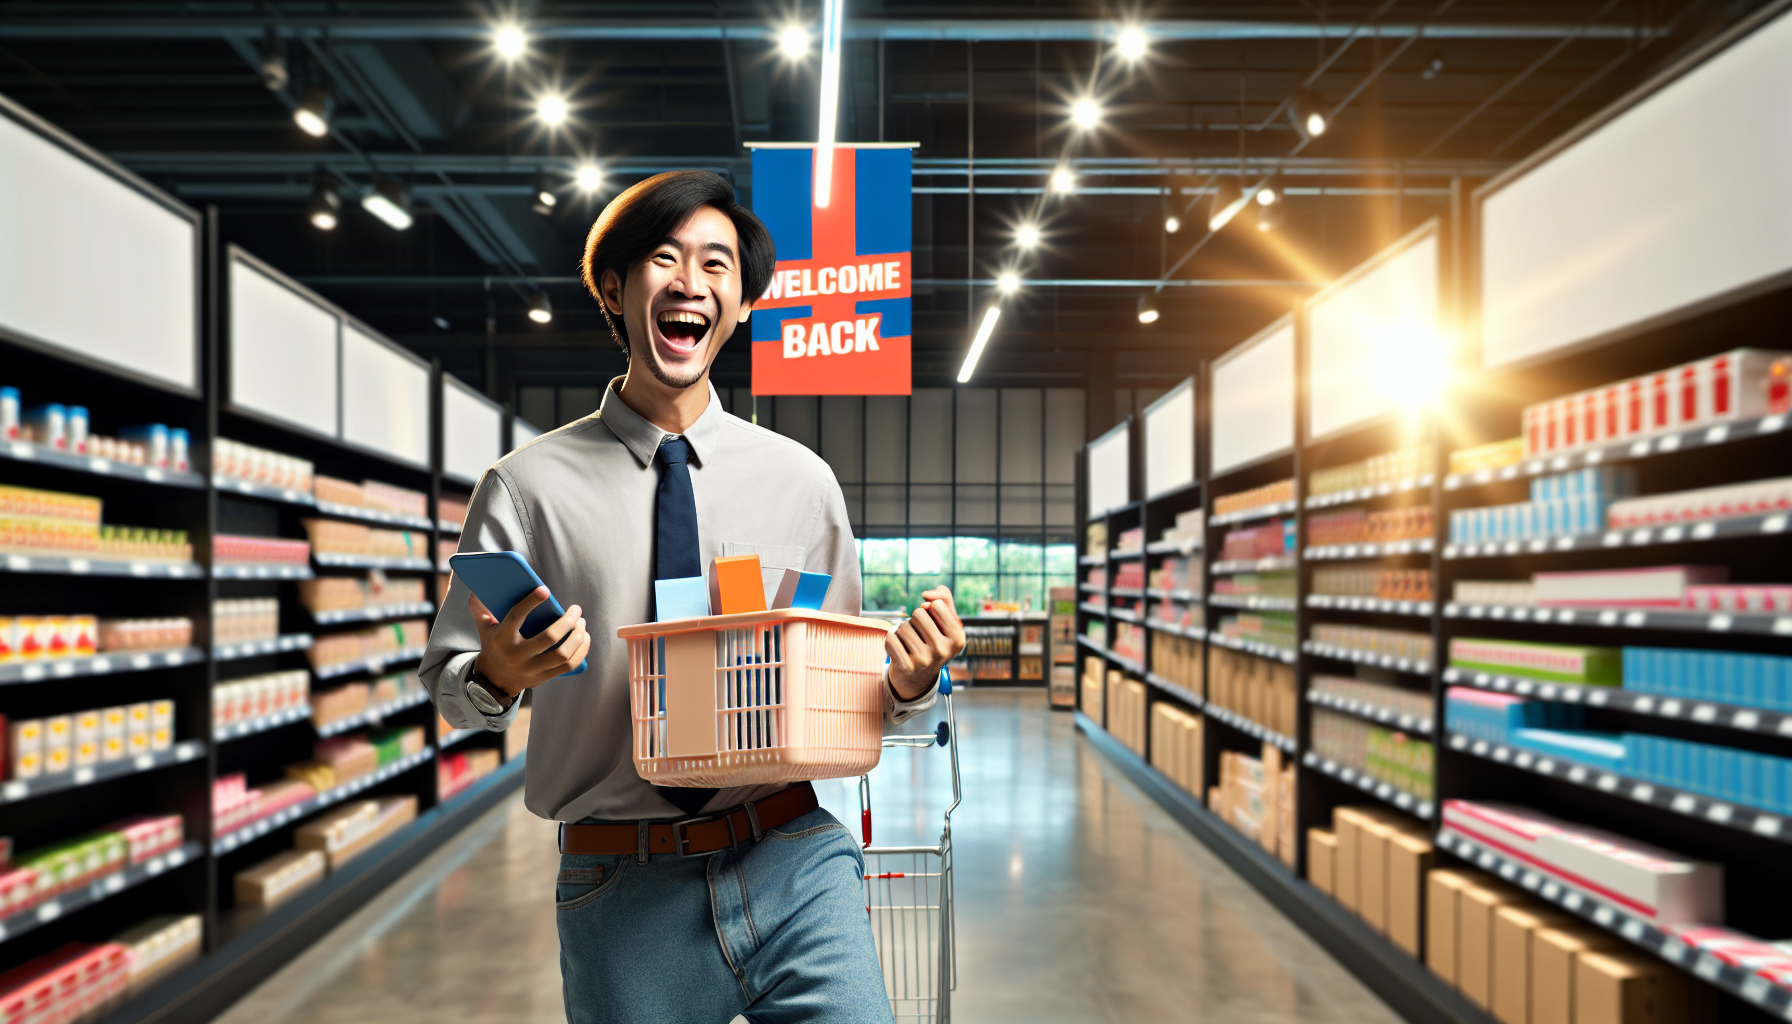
(92, 265)
(284, 349)
(1679, 199)
(385, 397)
(522, 432)
(472, 431)
(1110, 470)
(1253, 398)
(1374, 340)
(1170, 440)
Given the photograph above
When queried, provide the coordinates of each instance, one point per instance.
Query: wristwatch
(487, 696)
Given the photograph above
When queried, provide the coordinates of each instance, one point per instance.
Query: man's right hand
(517, 663)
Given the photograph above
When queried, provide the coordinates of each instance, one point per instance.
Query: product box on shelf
(1261, 690)
(1560, 663)
(253, 465)
(160, 944)
(1188, 530)
(1497, 455)
(279, 877)
(1255, 795)
(1257, 497)
(1394, 467)
(1658, 586)
(245, 620)
(1095, 690)
(354, 828)
(1126, 710)
(332, 536)
(1728, 677)
(76, 982)
(1176, 746)
(1706, 504)
(461, 768)
(241, 700)
(62, 743)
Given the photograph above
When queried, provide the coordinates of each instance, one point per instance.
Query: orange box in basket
(735, 585)
(761, 697)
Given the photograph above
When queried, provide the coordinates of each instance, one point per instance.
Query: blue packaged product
(48, 425)
(1602, 750)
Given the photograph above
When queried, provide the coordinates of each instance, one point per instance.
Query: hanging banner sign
(835, 320)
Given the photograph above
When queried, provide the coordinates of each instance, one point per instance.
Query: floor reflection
(1078, 900)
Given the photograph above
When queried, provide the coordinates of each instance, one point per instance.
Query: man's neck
(673, 410)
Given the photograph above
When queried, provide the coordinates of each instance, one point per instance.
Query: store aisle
(1078, 900)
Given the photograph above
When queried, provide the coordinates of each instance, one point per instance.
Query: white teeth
(683, 316)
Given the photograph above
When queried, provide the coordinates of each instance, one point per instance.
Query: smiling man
(674, 905)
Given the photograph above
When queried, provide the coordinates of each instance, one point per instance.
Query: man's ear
(746, 309)
(611, 287)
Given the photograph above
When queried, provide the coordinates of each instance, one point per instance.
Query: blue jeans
(775, 931)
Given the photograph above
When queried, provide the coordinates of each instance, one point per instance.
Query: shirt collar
(643, 438)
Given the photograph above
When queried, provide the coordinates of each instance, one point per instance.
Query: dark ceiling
(1427, 95)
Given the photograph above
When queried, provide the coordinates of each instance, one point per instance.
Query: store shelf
(1092, 609)
(1250, 727)
(1255, 601)
(1702, 712)
(1339, 602)
(390, 611)
(262, 571)
(1384, 549)
(1189, 632)
(1382, 490)
(75, 565)
(1234, 565)
(1187, 596)
(97, 890)
(1091, 560)
(1384, 716)
(374, 664)
(1719, 812)
(1247, 514)
(263, 491)
(1625, 451)
(261, 723)
(448, 527)
(1764, 525)
(1127, 555)
(97, 665)
(25, 451)
(252, 648)
(1413, 665)
(338, 560)
(1172, 547)
(373, 715)
(1738, 981)
(1177, 689)
(1382, 791)
(24, 789)
(1123, 615)
(248, 833)
(1253, 647)
(1090, 588)
(1684, 620)
(1127, 591)
(449, 739)
(371, 515)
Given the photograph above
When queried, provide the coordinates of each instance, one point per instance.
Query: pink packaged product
(1739, 950)
(1643, 880)
(1741, 597)
(1756, 497)
(228, 548)
(1740, 384)
(1662, 586)
(150, 835)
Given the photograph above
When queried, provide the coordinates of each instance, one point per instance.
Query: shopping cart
(908, 893)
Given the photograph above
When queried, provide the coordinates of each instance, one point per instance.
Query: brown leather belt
(705, 834)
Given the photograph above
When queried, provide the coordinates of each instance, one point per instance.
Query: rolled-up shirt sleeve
(836, 553)
(494, 523)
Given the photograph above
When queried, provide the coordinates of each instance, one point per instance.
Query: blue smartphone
(502, 578)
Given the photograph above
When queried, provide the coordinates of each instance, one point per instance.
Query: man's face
(683, 301)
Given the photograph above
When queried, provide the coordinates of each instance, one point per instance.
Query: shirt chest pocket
(773, 560)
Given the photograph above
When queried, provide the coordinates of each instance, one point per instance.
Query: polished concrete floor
(1078, 900)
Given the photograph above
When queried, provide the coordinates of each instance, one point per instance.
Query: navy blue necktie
(676, 557)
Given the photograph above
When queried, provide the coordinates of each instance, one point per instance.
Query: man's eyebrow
(673, 242)
(719, 247)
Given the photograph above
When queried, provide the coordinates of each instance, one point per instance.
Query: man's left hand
(921, 646)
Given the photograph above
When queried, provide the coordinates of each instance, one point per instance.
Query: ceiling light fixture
(510, 42)
(830, 100)
(542, 197)
(1271, 218)
(273, 69)
(312, 115)
(390, 201)
(1063, 181)
(324, 208)
(793, 42)
(984, 330)
(552, 109)
(1307, 113)
(1085, 113)
(1269, 192)
(540, 309)
(1436, 65)
(1026, 236)
(1226, 201)
(1008, 282)
(1147, 309)
(588, 178)
(1172, 224)
(1131, 43)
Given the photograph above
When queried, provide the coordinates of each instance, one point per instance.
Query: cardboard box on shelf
(1347, 823)
(1372, 839)
(1621, 987)
(1554, 951)
(1322, 855)
(1514, 940)
(280, 876)
(1410, 857)
(1476, 906)
(1443, 893)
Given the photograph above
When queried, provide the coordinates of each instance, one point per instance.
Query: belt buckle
(678, 836)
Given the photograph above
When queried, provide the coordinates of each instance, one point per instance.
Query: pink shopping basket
(754, 698)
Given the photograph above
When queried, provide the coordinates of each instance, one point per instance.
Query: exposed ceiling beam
(75, 25)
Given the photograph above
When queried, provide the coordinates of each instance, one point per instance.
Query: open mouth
(682, 328)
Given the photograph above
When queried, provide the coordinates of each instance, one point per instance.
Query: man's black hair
(643, 215)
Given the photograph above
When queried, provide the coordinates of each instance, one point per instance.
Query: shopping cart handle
(943, 734)
(945, 680)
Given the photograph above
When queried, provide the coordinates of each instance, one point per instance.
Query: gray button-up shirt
(579, 504)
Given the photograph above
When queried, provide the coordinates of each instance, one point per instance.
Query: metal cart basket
(908, 893)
